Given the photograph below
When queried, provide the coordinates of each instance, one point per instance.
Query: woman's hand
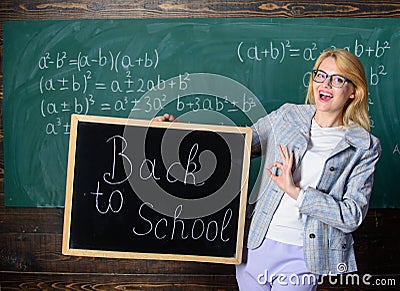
(165, 117)
(285, 178)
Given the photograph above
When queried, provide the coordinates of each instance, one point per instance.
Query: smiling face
(347, 105)
(330, 101)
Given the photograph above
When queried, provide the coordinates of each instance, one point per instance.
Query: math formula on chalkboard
(81, 76)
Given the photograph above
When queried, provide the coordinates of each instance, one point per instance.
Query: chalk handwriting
(86, 77)
(182, 229)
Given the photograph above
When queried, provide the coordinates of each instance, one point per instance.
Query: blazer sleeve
(262, 130)
(346, 214)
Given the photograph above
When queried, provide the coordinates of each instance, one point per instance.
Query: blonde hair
(356, 109)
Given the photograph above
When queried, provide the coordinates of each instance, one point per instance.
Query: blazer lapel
(300, 120)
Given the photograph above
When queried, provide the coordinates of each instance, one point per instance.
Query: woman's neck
(327, 120)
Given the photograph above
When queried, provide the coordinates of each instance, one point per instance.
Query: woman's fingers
(275, 165)
(286, 158)
(281, 152)
(165, 117)
(270, 167)
(285, 166)
(284, 153)
(283, 178)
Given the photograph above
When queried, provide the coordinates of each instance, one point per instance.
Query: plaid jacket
(340, 201)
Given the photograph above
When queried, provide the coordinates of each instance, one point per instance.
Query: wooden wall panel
(61, 9)
(30, 238)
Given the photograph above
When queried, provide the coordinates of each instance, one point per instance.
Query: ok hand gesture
(285, 178)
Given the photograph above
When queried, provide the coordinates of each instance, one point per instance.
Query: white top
(287, 224)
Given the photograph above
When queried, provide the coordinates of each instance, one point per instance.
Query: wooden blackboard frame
(66, 246)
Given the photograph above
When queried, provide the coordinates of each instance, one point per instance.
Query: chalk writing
(83, 79)
(198, 229)
(112, 60)
(148, 169)
(283, 50)
(396, 150)
(110, 200)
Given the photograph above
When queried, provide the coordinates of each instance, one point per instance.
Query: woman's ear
(353, 93)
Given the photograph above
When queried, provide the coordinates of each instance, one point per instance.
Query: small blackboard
(156, 190)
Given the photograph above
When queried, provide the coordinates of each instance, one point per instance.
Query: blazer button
(344, 246)
(312, 235)
(332, 169)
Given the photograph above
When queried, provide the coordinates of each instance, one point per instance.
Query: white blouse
(287, 224)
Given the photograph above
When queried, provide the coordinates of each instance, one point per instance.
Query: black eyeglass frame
(313, 73)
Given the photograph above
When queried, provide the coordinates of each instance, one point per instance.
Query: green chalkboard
(222, 71)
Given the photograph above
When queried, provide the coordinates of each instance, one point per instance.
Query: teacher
(321, 181)
(316, 190)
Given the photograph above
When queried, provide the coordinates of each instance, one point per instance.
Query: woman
(322, 182)
(316, 192)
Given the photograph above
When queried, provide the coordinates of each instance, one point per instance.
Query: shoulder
(297, 112)
(375, 143)
(297, 107)
(294, 109)
(289, 112)
(362, 139)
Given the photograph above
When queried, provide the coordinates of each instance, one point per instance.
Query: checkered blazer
(339, 203)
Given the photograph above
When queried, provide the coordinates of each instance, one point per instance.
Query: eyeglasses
(335, 80)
